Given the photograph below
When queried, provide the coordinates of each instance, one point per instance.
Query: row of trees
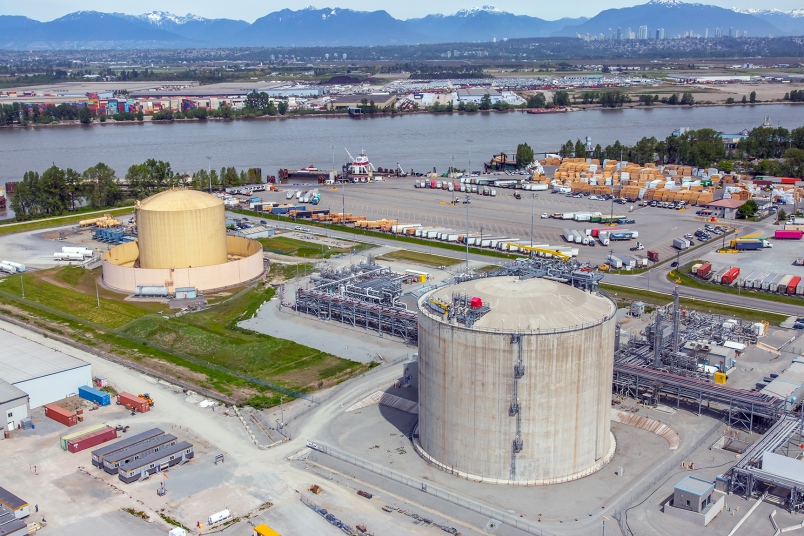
(58, 190)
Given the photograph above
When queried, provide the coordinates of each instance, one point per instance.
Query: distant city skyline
(249, 10)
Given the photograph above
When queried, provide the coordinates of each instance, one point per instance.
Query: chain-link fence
(430, 489)
(619, 513)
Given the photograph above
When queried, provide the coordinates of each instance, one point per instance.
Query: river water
(418, 141)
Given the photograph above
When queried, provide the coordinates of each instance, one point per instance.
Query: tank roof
(176, 200)
(530, 304)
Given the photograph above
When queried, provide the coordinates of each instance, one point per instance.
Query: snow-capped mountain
(789, 22)
(159, 18)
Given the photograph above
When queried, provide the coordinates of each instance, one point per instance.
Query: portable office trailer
(155, 462)
(14, 503)
(113, 461)
(99, 454)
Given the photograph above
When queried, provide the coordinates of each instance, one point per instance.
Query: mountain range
(346, 27)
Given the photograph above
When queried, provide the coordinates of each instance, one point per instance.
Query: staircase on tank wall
(514, 409)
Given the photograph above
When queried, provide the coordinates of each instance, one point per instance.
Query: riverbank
(331, 115)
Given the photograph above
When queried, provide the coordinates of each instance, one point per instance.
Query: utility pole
(532, 201)
(209, 172)
(470, 157)
(97, 294)
(467, 233)
(22, 283)
(281, 413)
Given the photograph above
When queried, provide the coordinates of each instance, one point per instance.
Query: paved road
(653, 280)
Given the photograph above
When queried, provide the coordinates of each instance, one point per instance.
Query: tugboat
(360, 169)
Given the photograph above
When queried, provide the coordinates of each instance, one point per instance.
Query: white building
(43, 373)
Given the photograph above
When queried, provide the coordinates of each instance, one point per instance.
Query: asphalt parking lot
(503, 215)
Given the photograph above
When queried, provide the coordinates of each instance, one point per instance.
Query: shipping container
(92, 440)
(134, 402)
(758, 280)
(793, 284)
(766, 281)
(788, 234)
(94, 395)
(781, 286)
(704, 270)
(749, 245)
(653, 255)
(681, 243)
(730, 276)
(59, 414)
(65, 439)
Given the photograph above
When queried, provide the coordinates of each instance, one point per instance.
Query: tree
(524, 155)
(561, 98)
(748, 209)
(688, 99)
(101, 186)
(485, 102)
(471, 107)
(752, 97)
(537, 101)
(781, 215)
(84, 115)
(744, 100)
(282, 107)
(673, 100)
(580, 149)
(567, 150)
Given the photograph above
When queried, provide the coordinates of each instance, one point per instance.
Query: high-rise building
(643, 32)
(718, 32)
(731, 31)
(619, 34)
(660, 34)
(706, 33)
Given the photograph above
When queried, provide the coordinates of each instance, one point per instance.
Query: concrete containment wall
(247, 266)
(466, 382)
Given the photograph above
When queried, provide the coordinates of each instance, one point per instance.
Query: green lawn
(11, 226)
(300, 248)
(682, 273)
(208, 343)
(426, 259)
(75, 294)
(625, 296)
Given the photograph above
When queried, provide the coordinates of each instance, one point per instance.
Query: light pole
(470, 157)
(467, 233)
(22, 284)
(281, 413)
(209, 172)
(532, 201)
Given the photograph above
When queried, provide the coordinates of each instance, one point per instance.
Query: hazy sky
(252, 9)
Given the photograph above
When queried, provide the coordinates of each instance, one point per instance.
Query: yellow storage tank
(181, 229)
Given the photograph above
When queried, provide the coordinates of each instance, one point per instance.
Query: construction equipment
(441, 305)
(315, 488)
(148, 398)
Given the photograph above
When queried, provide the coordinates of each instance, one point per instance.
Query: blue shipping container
(94, 395)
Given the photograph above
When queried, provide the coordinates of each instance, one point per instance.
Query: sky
(249, 10)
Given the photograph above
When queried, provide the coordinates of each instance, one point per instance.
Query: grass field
(625, 296)
(426, 259)
(72, 289)
(59, 221)
(208, 346)
(682, 273)
(309, 250)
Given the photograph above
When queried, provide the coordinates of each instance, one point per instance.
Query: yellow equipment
(441, 305)
(720, 378)
(147, 397)
(543, 251)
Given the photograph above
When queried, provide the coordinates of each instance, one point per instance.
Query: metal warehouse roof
(695, 486)
(154, 457)
(23, 360)
(11, 500)
(10, 392)
(127, 442)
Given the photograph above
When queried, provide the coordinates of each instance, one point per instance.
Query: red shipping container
(133, 401)
(729, 277)
(653, 256)
(91, 440)
(59, 414)
(791, 287)
(704, 269)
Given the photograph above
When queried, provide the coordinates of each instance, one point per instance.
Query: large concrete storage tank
(521, 395)
(181, 229)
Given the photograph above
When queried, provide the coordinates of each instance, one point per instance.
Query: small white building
(14, 405)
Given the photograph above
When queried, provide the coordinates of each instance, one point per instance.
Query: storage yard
(513, 395)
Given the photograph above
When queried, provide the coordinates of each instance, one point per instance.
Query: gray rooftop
(11, 500)
(155, 457)
(696, 486)
(10, 392)
(787, 383)
(127, 442)
(9, 524)
(129, 452)
(23, 360)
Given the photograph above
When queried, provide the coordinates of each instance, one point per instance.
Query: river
(417, 141)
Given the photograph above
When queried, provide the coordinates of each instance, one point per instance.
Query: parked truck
(681, 243)
(653, 255)
(568, 236)
(748, 244)
(788, 234)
